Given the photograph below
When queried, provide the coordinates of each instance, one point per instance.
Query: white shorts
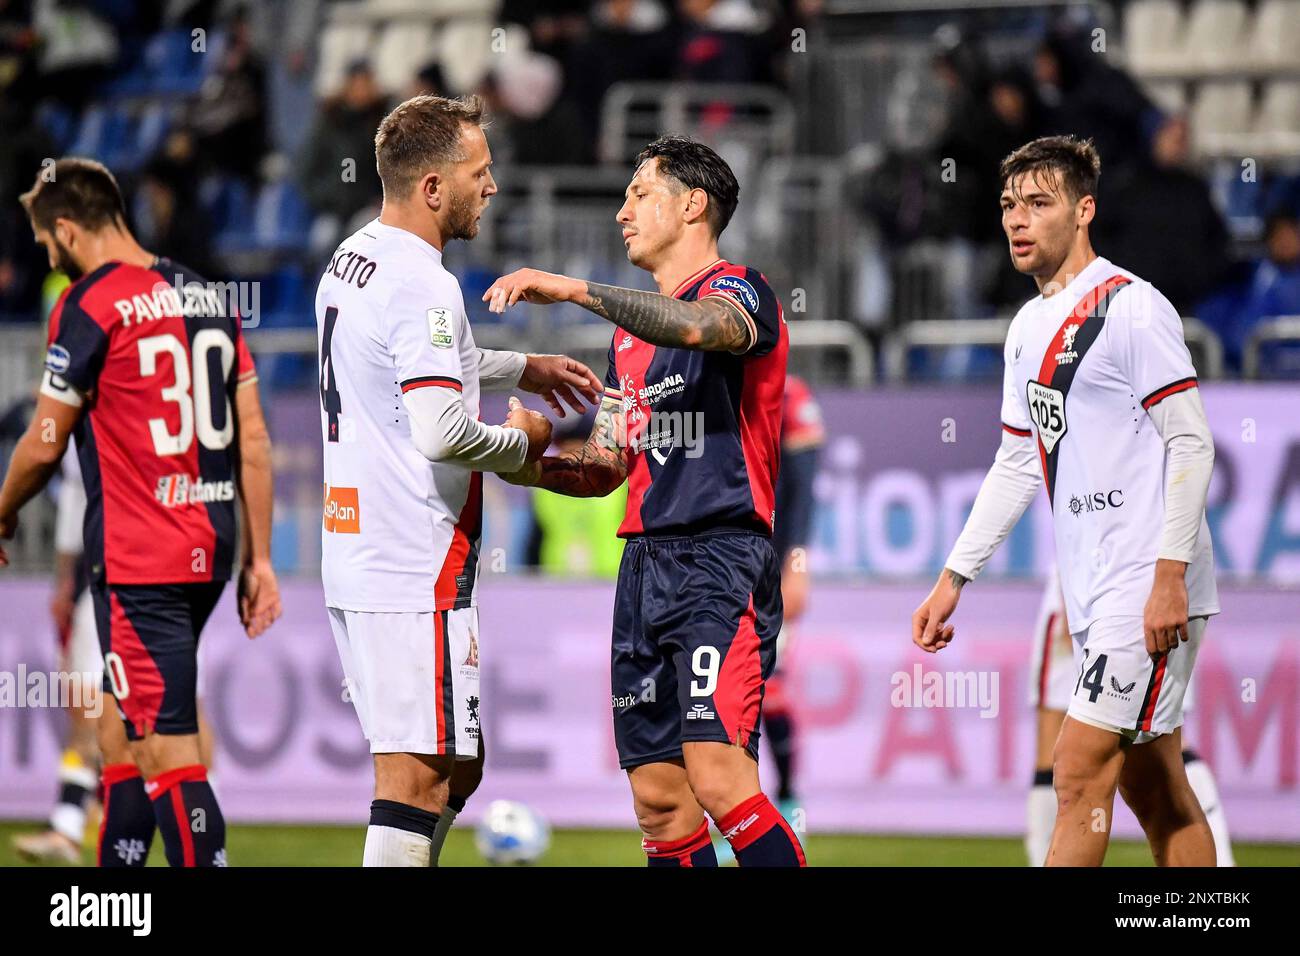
(83, 654)
(413, 678)
(1052, 671)
(1119, 687)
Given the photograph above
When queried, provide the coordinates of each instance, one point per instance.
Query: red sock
(126, 828)
(192, 828)
(694, 850)
(760, 836)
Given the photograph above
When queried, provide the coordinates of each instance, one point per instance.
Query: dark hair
(696, 166)
(420, 134)
(1067, 163)
(82, 190)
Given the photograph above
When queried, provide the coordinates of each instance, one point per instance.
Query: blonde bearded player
(1053, 673)
(404, 452)
(1100, 403)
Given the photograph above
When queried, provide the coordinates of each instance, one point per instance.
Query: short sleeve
(613, 388)
(75, 357)
(424, 329)
(749, 290)
(1147, 345)
(245, 370)
(1015, 416)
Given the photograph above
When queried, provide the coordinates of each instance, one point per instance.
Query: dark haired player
(159, 389)
(692, 421)
(1100, 402)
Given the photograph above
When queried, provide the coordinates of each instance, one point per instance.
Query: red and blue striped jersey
(155, 355)
(704, 428)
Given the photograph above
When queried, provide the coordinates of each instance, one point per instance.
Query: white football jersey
(399, 533)
(1082, 369)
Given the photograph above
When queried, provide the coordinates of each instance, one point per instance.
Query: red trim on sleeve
(1173, 388)
(424, 381)
(1018, 432)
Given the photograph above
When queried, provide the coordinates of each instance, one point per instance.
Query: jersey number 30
(196, 413)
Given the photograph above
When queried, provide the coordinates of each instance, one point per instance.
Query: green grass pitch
(341, 846)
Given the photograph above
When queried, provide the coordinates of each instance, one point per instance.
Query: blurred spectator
(345, 130)
(1149, 205)
(76, 49)
(718, 42)
(629, 42)
(1089, 98)
(428, 81)
(229, 119)
(1264, 289)
(531, 124)
(170, 219)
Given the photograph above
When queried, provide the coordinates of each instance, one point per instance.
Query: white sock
(69, 819)
(389, 846)
(1201, 778)
(1040, 821)
(445, 820)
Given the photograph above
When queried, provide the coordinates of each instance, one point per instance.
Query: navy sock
(189, 819)
(401, 816)
(1043, 778)
(760, 836)
(126, 830)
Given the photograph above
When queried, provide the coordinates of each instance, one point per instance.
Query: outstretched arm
(712, 324)
(594, 470)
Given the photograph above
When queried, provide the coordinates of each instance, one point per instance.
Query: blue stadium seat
(59, 122)
(281, 218)
(170, 64)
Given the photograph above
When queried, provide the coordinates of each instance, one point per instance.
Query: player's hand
(533, 424)
(259, 597)
(8, 528)
(930, 630)
(554, 377)
(1164, 620)
(794, 586)
(532, 285)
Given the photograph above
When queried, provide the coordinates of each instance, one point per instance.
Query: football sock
(759, 834)
(780, 733)
(76, 785)
(694, 850)
(398, 835)
(126, 829)
(189, 819)
(455, 804)
(1040, 817)
(1201, 778)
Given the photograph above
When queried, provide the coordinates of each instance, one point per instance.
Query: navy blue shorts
(149, 634)
(695, 626)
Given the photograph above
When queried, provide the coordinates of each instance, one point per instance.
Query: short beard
(462, 218)
(65, 263)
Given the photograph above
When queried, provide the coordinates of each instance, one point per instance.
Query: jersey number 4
(329, 390)
(196, 412)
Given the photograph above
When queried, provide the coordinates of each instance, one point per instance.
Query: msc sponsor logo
(178, 490)
(738, 289)
(1096, 501)
(58, 360)
(342, 513)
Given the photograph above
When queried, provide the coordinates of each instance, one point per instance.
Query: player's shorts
(149, 636)
(1119, 687)
(694, 640)
(1052, 672)
(413, 677)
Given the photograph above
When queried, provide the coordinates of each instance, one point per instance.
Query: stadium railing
(1282, 330)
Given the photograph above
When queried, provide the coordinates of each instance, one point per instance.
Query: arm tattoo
(710, 325)
(599, 466)
(957, 579)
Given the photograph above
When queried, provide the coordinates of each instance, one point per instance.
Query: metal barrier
(939, 334)
(1283, 328)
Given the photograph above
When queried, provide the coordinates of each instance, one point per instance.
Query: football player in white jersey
(1052, 676)
(1100, 403)
(404, 456)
